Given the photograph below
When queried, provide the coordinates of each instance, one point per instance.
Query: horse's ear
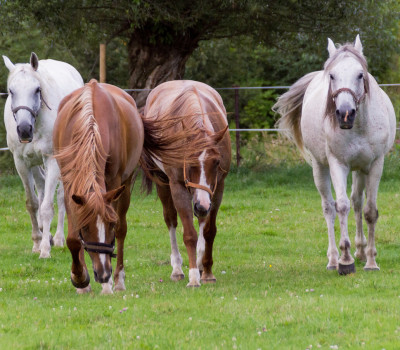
(219, 135)
(113, 195)
(10, 66)
(80, 200)
(331, 47)
(358, 45)
(34, 61)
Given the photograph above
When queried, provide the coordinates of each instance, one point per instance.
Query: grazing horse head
(97, 233)
(201, 178)
(24, 87)
(348, 75)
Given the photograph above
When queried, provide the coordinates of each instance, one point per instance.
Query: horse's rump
(181, 124)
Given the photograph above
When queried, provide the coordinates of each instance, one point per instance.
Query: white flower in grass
(233, 338)
(190, 318)
(138, 337)
(1, 289)
(110, 307)
(137, 296)
(335, 347)
(75, 308)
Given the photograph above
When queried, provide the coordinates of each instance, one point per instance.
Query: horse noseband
(357, 101)
(30, 110)
(97, 247)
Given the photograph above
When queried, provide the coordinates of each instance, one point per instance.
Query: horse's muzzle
(200, 211)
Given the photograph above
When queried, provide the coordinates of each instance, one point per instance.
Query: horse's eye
(331, 76)
(11, 92)
(38, 90)
(360, 76)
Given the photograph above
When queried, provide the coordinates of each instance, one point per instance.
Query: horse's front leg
(371, 211)
(339, 175)
(182, 200)
(210, 231)
(47, 207)
(32, 203)
(79, 274)
(357, 199)
(323, 183)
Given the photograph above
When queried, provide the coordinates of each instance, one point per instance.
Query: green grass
(272, 290)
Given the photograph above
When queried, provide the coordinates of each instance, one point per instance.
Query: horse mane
(346, 49)
(176, 132)
(82, 162)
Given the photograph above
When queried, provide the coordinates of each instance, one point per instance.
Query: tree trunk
(153, 63)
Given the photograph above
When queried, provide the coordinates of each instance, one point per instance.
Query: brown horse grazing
(204, 160)
(98, 138)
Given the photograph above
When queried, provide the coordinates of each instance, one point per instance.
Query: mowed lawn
(272, 292)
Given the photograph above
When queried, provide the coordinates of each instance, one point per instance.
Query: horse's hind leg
(357, 199)
(371, 211)
(170, 218)
(323, 184)
(59, 236)
(39, 176)
(32, 203)
(122, 208)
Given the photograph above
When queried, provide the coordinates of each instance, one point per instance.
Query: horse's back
(185, 97)
(61, 76)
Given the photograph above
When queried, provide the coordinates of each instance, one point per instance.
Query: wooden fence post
(102, 63)
(237, 126)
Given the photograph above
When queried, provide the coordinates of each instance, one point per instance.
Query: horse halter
(97, 247)
(30, 110)
(198, 186)
(357, 101)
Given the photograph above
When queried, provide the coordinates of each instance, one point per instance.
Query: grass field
(272, 290)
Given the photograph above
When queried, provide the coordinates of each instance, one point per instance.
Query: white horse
(342, 121)
(35, 91)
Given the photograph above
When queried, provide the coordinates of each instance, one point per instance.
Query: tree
(160, 35)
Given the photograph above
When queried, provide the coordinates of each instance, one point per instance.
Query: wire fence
(237, 129)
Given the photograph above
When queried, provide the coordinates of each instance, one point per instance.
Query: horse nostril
(353, 112)
(337, 113)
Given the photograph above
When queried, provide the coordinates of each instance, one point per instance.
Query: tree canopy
(161, 35)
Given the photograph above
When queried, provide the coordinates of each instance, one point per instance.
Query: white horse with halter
(35, 91)
(343, 122)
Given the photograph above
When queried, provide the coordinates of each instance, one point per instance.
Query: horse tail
(289, 106)
(172, 136)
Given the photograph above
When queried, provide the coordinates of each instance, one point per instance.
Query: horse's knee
(371, 215)
(343, 206)
(47, 210)
(32, 204)
(190, 240)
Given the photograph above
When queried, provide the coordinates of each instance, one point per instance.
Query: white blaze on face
(101, 230)
(203, 197)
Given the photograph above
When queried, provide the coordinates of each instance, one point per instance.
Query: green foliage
(272, 290)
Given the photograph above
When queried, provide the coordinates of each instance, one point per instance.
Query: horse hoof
(83, 284)
(177, 277)
(193, 284)
(376, 268)
(208, 280)
(346, 269)
(85, 290)
(44, 255)
(331, 267)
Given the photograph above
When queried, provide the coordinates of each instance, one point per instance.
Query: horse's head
(25, 94)
(97, 234)
(348, 75)
(204, 177)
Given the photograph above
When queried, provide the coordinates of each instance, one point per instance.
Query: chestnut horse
(98, 140)
(204, 155)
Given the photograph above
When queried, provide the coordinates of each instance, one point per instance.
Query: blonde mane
(83, 162)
